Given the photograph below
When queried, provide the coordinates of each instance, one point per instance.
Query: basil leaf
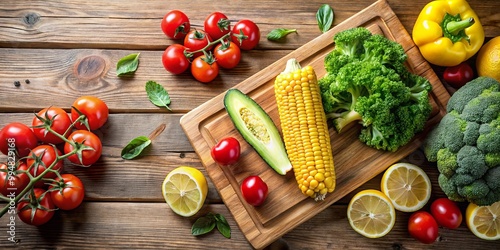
(157, 94)
(127, 64)
(135, 147)
(325, 17)
(203, 225)
(277, 34)
(223, 226)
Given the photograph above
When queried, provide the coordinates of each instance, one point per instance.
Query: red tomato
(67, 193)
(12, 178)
(423, 227)
(40, 159)
(226, 151)
(197, 40)
(458, 76)
(175, 24)
(204, 69)
(82, 139)
(446, 212)
(254, 190)
(38, 210)
(174, 59)
(246, 34)
(17, 137)
(217, 25)
(95, 110)
(55, 118)
(227, 55)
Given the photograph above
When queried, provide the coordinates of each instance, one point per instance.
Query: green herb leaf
(325, 17)
(223, 226)
(203, 225)
(279, 33)
(208, 222)
(157, 94)
(127, 64)
(135, 147)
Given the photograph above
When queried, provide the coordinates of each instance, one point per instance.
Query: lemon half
(484, 221)
(185, 189)
(407, 186)
(371, 213)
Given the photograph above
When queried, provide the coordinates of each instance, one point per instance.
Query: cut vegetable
(305, 130)
(258, 129)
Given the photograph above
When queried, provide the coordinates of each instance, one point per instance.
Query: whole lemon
(488, 59)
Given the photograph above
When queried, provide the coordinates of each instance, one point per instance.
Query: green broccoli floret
(482, 109)
(348, 47)
(368, 82)
(447, 162)
(489, 136)
(466, 144)
(470, 91)
(449, 188)
(380, 49)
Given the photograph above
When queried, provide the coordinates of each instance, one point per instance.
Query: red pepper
(458, 76)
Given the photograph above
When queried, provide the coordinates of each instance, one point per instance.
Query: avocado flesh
(257, 129)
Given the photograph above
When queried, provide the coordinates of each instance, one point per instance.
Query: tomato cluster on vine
(205, 51)
(33, 178)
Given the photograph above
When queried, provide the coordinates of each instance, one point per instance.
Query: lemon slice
(407, 186)
(371, 213)
(484, 222)
(185, 189)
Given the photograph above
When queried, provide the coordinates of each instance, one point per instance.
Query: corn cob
(305, 131)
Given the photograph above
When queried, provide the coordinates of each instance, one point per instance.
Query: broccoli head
(466, 144)
(368, 82)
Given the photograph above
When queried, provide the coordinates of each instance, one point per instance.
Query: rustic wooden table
(70, 48)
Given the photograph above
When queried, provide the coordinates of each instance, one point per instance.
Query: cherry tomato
(217, 25)
(197, 40)
(83, 139)
(226, 151)
(38, 210)
(18, 138)
(12, 178)
(174, 59)
(227, 54)
(204, 68)
(245, 34)
(40, 159)
(446, 213)
(423, 227)
(458, 76)
(254, 190)
(95, 110)
(56, 118)
(175, 24)
(67, 193)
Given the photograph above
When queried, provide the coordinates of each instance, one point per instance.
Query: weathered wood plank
(155, 226)
(135, 24)
(58, 77)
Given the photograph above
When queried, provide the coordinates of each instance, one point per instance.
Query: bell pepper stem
(456, 26)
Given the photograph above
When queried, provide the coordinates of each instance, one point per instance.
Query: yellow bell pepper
(448, 32)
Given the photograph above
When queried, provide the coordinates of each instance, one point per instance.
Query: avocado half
(258, 129)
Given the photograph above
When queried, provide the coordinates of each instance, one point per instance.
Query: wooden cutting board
(355, 163)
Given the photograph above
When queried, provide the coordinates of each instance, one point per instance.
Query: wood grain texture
(153, 226)
(65, 74)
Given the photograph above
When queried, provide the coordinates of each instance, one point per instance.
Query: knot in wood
(90, 67)
(31, 19)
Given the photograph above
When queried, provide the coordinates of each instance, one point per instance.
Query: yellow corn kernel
(305, 131)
